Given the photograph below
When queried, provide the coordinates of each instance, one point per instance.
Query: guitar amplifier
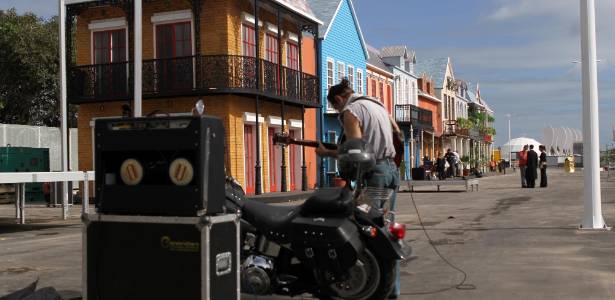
(127, 257)
(170, 166)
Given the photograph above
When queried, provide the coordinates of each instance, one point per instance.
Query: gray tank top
(375, 124)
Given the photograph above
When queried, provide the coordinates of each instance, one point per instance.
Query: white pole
(63, 106)
(509, 141)
(592, 217)
(138, 55)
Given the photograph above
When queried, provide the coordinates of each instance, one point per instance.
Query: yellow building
(205, 49)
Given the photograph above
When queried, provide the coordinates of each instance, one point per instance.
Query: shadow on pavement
(6, 227)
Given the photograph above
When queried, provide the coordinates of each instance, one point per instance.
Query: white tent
(516, 145)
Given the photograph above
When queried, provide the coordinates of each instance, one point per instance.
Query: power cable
(462, 285)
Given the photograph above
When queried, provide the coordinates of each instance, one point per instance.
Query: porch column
(304, 182)
(281, 90)
(258, 188)
(433, 146)
(138, 29)
(411, 147)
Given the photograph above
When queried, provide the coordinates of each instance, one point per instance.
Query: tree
(29, 70)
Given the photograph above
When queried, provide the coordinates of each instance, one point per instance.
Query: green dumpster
(25, 159)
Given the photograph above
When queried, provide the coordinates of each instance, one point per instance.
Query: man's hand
(322, 151)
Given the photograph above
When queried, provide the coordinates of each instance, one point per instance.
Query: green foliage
(464, 123)
(490, 119)
(28, 69)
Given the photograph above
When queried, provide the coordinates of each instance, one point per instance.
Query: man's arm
(352, 130)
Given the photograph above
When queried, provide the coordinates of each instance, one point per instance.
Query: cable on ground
(462, 285)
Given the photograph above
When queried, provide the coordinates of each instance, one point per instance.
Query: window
(292, 56)
(109, 46)
(373, 88)
(248, 40)
(173, 49)
(329, 73)
(406, 91)
(340, 71)
(360, 81)
(351, 76)
(173, 40)
(271, 48)
(381, 89)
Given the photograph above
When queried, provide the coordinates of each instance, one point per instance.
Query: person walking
(522, 166)
(531, 167)
(367, 119)
(543, 165)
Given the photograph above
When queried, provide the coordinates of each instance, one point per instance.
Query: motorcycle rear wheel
(370, 279)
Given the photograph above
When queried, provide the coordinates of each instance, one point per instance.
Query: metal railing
(411, 114)
(20, 179)
(206, 74)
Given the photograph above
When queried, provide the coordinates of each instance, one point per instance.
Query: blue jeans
(386, 175)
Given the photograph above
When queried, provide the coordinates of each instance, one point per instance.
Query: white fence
(41, 137)
(20, 180)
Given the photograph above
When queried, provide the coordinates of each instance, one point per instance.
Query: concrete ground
(513, 243)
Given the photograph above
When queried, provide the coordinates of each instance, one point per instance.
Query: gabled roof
(301, 7)
(375, 59)
(326, 10)
(398, 50)
(434, 67)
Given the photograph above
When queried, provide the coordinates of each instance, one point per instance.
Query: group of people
(447, 165)
(529, 163)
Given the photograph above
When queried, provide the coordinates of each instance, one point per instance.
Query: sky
(520, 51)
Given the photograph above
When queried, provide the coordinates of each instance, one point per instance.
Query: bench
(468, 183)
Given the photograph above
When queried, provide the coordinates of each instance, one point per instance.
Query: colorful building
(343, 54)
(441, 72)
(379, 80)
(253, 63)
(430, 141)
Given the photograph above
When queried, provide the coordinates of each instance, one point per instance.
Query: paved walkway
(513, 243)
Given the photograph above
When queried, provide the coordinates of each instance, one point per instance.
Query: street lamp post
(592, 217)
(509, 141)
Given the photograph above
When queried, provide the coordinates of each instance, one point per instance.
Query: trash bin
(569, 164)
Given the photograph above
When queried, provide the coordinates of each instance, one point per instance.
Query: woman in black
(543, 166)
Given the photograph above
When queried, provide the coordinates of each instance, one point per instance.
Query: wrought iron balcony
(194, 75)
(408, 114)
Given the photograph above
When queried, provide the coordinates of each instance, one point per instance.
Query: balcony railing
(184, 76)
(406, 114)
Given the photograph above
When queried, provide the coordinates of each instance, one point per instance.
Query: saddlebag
(327, 245)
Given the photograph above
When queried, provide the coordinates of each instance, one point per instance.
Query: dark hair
(342, 88)
(531, 146)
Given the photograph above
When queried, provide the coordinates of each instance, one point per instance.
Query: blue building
(343, 54)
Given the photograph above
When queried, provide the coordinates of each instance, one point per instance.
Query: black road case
(160, 257)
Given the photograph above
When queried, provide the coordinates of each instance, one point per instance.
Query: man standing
(532, 165)
(450, 159)
(543, 165)
(367, 119)
(522, 166)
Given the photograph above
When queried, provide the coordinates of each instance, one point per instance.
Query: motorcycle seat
(329, 201)
(273, 220)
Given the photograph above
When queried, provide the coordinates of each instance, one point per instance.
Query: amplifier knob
(131, 171)
(181, 171)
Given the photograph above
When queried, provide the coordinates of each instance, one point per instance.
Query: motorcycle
(336, 245)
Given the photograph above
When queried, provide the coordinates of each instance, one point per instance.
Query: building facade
(343, 54)
(430, 141)
(253, 63)
(379, 80)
